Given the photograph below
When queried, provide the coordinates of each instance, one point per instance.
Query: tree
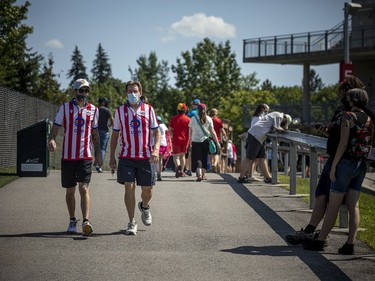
(248, 82)
(266, 85)
(19, 65)
(288, 95)
(208, 72)
(154, 78)
(316, 83)
(48, 87)
(78, 69)
(101, 70)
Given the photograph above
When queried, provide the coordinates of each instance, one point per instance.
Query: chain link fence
(18, 111)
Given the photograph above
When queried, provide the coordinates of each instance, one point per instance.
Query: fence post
(293, 169)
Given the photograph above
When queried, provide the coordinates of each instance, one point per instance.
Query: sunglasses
(81, 91)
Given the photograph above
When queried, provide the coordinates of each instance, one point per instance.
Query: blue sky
(128, 29)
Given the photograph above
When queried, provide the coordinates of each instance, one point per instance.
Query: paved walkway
(213, 230)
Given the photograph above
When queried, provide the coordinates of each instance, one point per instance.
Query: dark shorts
(73, 172)
(140, 171)
(255, 149)
(231, 162)
(324, 183)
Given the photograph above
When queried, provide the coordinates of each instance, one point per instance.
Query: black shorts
(73, 172)
(140, 171)
(255, 149)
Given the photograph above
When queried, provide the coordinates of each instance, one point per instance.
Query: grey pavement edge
(210, 230)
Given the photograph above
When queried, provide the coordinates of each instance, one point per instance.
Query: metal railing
(301, 43)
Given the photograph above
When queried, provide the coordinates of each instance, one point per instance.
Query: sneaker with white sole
(132, 228)
(86, 228)
(253, 179)
(146, 214)
(72, 227)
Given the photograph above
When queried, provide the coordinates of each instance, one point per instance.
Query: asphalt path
(211, 230)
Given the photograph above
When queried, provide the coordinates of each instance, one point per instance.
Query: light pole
(349, 9)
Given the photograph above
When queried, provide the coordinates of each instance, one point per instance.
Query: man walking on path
(137, 123)
(105, 120)
(80, 121)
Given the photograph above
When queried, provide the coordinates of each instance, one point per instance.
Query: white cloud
(169, 38)
(199, 25)
(54, 44)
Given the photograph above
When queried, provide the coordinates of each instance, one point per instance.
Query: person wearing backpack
(332, 131)
(348, 170)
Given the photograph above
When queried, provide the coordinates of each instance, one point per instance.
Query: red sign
(346, 69)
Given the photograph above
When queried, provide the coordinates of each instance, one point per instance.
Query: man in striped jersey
(136, 124)
(80, 122)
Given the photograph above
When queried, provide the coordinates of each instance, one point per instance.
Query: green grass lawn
(366, 208)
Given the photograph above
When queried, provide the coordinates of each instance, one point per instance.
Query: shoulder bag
(211, 143)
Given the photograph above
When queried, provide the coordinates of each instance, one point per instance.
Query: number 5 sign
(346, 69)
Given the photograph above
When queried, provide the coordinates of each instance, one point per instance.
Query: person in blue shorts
(323, 187)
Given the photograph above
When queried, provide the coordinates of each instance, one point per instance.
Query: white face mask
(133, 98)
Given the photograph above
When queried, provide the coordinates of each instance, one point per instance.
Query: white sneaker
(86, 228)
(72, 227)
(132, 228)
(98, 168)
(146, 214)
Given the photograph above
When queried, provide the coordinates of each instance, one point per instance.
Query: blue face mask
(133, 98)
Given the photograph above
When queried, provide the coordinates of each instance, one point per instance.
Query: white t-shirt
(255, 119)
(265, 124)
(163, 132)
(230, 150)
(197, 133)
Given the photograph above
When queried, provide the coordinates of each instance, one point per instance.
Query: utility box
(32, 150)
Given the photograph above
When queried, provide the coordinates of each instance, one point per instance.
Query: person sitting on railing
(323, 186)
(348, 169)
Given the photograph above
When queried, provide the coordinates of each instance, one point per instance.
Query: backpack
(360, 146)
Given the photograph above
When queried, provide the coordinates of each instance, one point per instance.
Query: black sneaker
(315, 245)
(347, 249)
(243, 180)
(299, 237)
(188, 172)
(178, 171)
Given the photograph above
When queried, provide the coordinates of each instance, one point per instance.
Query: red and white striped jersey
(135, 128)
(78, 123)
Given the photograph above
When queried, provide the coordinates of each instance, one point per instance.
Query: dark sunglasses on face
(81, 91)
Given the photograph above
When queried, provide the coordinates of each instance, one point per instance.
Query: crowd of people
(198, 143)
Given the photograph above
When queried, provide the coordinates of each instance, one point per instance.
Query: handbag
(211, 143)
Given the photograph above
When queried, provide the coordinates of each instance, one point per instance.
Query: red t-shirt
(218, 125)
(180, 125)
